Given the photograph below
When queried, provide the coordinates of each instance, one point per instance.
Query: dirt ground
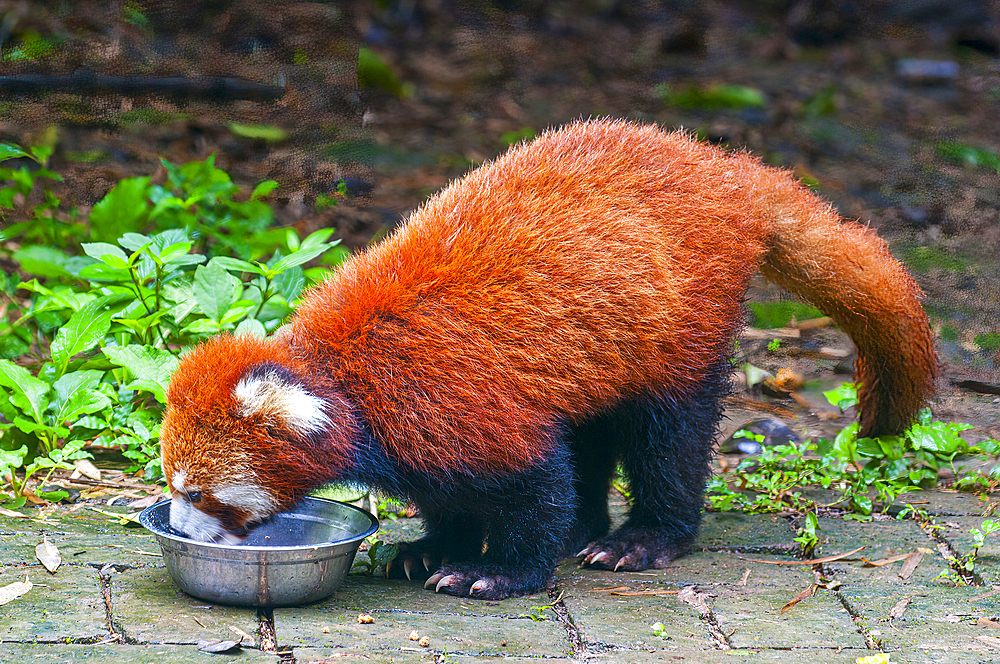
(890, 109)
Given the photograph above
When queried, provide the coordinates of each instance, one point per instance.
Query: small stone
(414, 636)
(424, 642)
(365, 619)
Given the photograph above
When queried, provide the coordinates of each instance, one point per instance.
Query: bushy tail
(847, 272)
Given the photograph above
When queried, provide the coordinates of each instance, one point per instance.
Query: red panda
(567, 307)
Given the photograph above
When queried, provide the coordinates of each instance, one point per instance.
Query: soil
(888, 108)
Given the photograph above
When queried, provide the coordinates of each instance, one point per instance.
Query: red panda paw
(486, 581)
(632, 551)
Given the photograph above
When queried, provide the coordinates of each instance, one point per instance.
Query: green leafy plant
(963, 567)
(96, 334)
(808, 534)
(379, 554)
(864, 471)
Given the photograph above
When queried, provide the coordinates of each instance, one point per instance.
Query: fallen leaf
(12, 591)
(12, 514)
(808, 592)
(990, 593)
(48, 554)
(896, 612)
(244, 637)
(986, 622)
(86, 468)
(696, 599)
(911, 563)
(814, 561)
(885, 561)
(123, 519)
(989, 640)
(216, 646)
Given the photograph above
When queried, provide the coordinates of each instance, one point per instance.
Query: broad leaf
(125, 208)
(150, 367)
(214, 290)
(77, 394)
(29, 394)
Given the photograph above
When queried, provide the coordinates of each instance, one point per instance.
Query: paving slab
(736, 531)
(751, 616)
(124, 654)
(148, 608)
(881, 539)
(67, 605)
(389, 631)
(937, 620)
(415, 656)
(83, 535)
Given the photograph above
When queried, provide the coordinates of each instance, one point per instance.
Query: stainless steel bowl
(296, 557)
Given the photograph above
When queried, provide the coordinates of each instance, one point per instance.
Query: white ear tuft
(272, 394)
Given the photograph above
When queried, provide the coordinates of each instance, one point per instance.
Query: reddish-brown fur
(601, 265)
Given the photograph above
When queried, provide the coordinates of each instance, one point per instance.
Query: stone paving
(112, 601)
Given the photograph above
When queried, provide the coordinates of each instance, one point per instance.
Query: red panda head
(245, 435)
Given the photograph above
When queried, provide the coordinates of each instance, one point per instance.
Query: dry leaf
(814, 561)
(885, 561)
(911, 563)
(48, 554)
(990, 593)
(696, 599)
(896, 612)
(244, 637)
(12, 514)
(12, 591)
(86, 468)
(215, 646)
(989, 640)
(808, 592)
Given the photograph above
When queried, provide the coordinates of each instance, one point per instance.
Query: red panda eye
(194, 496)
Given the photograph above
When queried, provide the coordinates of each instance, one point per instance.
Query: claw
(620, 563)
(427, 562)
(407, 567)
(432, 581)
(444, 582)
(479, 586)
(599, 557)
(584, 551)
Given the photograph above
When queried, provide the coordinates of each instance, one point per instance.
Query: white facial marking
(177, 482)
(291, 403)
(251, 498)
(186, 518)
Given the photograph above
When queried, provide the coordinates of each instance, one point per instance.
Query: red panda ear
(270, 390)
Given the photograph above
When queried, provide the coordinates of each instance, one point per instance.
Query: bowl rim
(145, 515)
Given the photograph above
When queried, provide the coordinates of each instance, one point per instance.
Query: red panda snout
(227, 420)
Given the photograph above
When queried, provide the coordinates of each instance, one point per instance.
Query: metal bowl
(296, 557)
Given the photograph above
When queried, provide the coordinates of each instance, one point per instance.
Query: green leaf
(42, 261)
(29, 393)
(106, 253)
(124, 209)
(86, 327)
(214, 290)
(263, 189)
(12, 459)
(77, 394)
(252, 327)
(261, 132)
(150, 367)
(299, 257)
(237, 264)
(8, 151)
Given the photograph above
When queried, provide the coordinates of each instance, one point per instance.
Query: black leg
(595, 459)
(666, 446)
(527, 517)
